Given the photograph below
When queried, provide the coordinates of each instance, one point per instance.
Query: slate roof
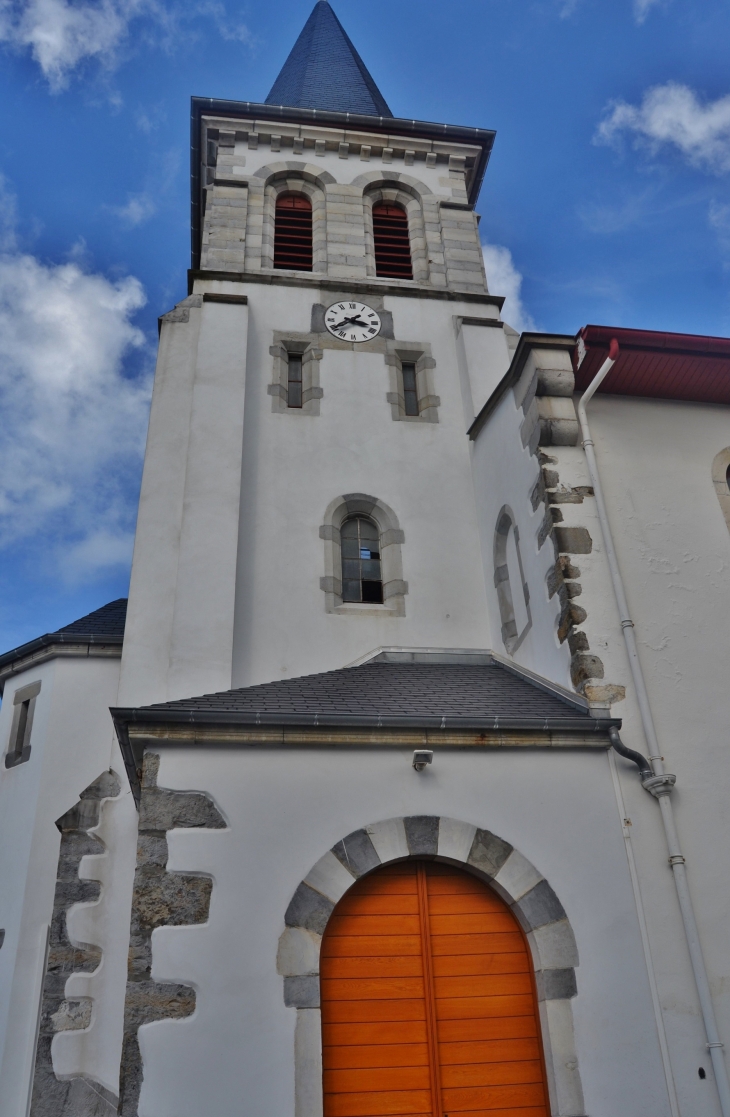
(107, 621)
(324, 71)
(486, 694)
(103, 626)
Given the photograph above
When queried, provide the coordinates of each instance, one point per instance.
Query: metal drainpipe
(660, 783)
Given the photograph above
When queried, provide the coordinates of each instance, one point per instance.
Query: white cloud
(74, 424)
(139, 208)
(62, 36)
(673, 115)
(227, 29)
(504, 279)
(643, 7)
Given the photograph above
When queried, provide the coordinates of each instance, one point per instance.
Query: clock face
(352, 321)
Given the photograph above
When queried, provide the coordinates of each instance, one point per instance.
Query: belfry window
(293, 233)
(392, 242)
(361, 576)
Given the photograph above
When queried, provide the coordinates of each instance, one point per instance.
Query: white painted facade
(230, 588)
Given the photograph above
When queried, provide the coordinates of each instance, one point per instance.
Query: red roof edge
(595, 336)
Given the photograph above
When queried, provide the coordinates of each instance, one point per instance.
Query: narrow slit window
(294, 381)
(23, 706)
(392, 242)
(293, 233)
(22, 726)
(410, 391)
(361, 576)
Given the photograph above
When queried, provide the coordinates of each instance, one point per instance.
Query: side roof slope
(384, 692)
(103, 626)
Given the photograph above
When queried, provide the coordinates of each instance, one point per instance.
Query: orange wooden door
(428, 1001)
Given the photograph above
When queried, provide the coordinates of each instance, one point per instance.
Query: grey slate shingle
(411, 690)
(103, 625)
(324, 71)
(107, 621)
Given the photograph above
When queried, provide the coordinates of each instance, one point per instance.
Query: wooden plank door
(428, 1001)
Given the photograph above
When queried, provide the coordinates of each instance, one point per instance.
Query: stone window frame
(511, 638)
(278, 389)
(720, 466)
(482, 854)
(391, 562)
(399, 194)
(19, 746)
(289, 182)
(418, 353)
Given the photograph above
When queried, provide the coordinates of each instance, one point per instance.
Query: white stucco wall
(673, 546)
(71, 745)
(285, 809)
(505, 473)
(295, 464)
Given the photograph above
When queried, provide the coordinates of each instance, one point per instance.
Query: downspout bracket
(660, 785)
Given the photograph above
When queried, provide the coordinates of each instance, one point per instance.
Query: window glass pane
(372, 591)
(294, 394)
(294, 383)
(409, 377)
(410, 393)
(361, 577)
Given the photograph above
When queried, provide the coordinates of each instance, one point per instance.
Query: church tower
(307, 492)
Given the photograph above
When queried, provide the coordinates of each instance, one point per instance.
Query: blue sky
(606, 201)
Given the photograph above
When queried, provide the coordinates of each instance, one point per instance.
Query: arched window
(392, 242)
(361, 576)
(293, 233)
(512, 592)
(428, 999)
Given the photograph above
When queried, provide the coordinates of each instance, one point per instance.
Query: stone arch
(721, 479)
(369, 178)
(512, 632)
(479, 852)
(407, 197)
(391, 539)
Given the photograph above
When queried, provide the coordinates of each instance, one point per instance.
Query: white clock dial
(350, 321)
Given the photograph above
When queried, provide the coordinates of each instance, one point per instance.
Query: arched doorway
(428, 1000)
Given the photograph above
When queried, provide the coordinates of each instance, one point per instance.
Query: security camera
(421, 758)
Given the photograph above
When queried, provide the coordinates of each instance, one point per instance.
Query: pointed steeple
(324, 71)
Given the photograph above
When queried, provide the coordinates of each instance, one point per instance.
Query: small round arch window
(361, 573)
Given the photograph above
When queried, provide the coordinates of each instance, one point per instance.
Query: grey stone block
(302, 991)
(357, 853)
(574, 540)
(488, 853)
(555, 985)
(308, 909)
(422, 833)
(539, 906)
